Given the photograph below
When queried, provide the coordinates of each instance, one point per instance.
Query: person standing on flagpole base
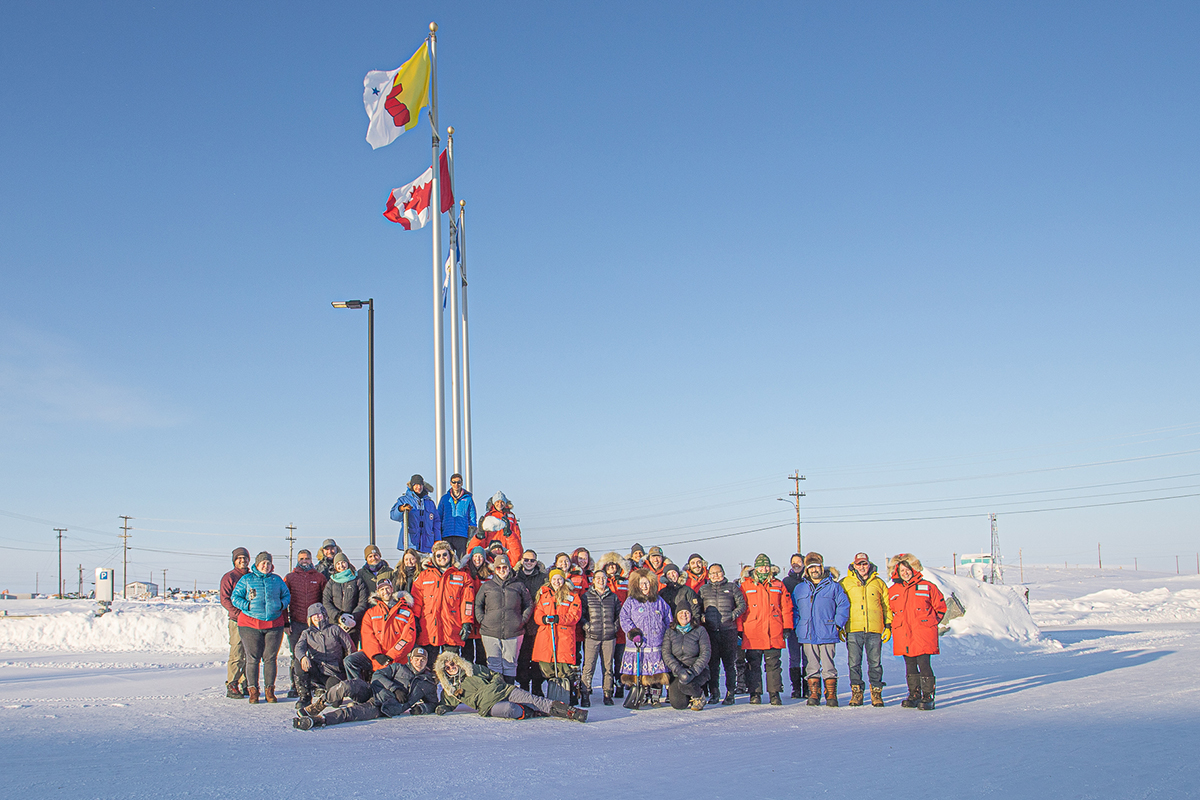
(424, 524)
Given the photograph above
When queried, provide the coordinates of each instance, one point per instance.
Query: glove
(305, 664)
(417, 710)
(551, 618)
(842, 634)
(400, 694)
(887, 633)
(381, 659)
(465, 633)
(685, 676)
(739, 639)
(440, 710)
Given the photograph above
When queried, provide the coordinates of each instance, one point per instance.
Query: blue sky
(921, 252)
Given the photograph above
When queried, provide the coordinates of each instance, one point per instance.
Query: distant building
(141, 590)
(978, 565)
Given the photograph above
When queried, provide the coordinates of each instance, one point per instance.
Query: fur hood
(591, 565)
(612, 558)
(635, 585)
(400, 594)
(893, 562)
(439, 668)
(748, 570)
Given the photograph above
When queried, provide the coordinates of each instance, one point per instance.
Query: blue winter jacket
(271, 595)
(424, 524)
(457, 515)
(819, 611)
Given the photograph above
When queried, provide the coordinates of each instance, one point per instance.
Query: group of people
(470, 616)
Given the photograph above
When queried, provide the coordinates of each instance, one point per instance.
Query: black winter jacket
(502, 607)
(396, 689)
(532, 583)
(601, 615)
(723, 603)
(687, 654)
(369, 576)
(679, 596)
(345, 598)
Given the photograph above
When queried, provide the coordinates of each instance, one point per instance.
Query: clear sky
(939, 257)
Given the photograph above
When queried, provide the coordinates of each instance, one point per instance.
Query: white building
(141, 590)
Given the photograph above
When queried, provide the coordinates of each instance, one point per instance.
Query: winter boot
(655, 696)
(303, 701)
(620, 692)
(776, 700)
(307, 723)
(560, 709)
(232, 690)
(831, 692)
(252, 694)
(755, 699)
(914, 692)
(928, 687)
(510, 680)
(877, 696)
(856, 694)
(697, 704)
(314, 708)
(585, 699)
(728, 701)
(714, 696)
(270, 695)
(797, 676)
(814, 692)
(292, 694)
(608, 701)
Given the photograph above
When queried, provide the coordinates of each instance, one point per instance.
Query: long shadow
(1062, 667)
(1074, 636)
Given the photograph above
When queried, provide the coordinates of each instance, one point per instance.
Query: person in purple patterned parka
(645, 618)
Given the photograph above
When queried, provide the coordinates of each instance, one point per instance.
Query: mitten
(887, 633)
(465, 633)
(381, 659)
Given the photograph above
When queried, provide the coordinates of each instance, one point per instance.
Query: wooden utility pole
(1021, 558)
(125, 557)
(1099, 557)
(164, 591)
(291, 540)
(954, 562)
(797, 477)
(60, 532)
(80, 590)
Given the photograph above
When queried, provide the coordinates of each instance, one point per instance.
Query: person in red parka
(763, 625)
(444, 601)
(557, 610)
(306, 584)
(503, 527)
(389, 630)
(917, 608)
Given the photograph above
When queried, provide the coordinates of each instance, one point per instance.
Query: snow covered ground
(1101, 702)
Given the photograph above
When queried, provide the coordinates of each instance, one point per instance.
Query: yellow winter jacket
(869, 609)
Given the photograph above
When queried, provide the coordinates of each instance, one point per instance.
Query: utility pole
(164, 591)
(797, 477)
(1135, 563)
(1176, 565)
(954, 562)
(60, 532)
(291, 540)
(1099, 557)
(997, 573)
(80, 590)
(1021, 558)
(125, 557)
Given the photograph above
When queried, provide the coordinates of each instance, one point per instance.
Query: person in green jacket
(485, 691)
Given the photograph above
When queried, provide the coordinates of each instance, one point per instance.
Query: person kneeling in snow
(486, 692)
(394, 690)
(320, 651)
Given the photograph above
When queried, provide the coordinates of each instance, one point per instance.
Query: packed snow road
(1093, 711)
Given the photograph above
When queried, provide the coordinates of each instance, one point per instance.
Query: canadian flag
(409, 205)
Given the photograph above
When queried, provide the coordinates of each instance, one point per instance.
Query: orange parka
(560, 635)
(768, 614)
(391, 631)
(443, 601)
(917, 608)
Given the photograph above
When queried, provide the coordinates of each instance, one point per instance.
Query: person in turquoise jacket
(261, 598)
(424, 524)
(457, 514)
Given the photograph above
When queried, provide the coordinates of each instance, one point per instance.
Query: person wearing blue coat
(424, 524)
(820, 609)
(457, 514)
(261, 598)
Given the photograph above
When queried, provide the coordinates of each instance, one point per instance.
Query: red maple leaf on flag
(398, 110)
(420, 198)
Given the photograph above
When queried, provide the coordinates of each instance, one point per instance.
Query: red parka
(917, 608)
(510, 537)
(391, 631)
(569, 612)
(443, 601)
(768, 614)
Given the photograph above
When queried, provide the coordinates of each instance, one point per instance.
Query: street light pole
(370, 303)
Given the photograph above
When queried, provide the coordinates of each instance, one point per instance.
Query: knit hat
(694, 555)
(477, 549)
(261, 557)
(669, 567)
(656, 551)
(414, 480)
(762, 560)
(637, 548)
(316, 610)
(328, 543)
(241, 551)
(499, 500)
(493, 524)
(341, 558)
(371, 549)
(441, 544)
(385, 575)
(813, 558)
(495, 547)
(554, 572)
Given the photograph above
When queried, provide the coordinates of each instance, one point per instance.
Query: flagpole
(455, 372)
(439, 355)
(468, 465)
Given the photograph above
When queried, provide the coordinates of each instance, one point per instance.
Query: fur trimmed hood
(913, 562)
(635, 585)
(399, 594)
(748, 571)
(439, 668)
(612, 558)
(591, 565)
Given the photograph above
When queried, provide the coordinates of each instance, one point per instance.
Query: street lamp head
(347, 303)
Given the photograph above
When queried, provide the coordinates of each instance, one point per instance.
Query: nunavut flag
(394, 99)
(409, 205)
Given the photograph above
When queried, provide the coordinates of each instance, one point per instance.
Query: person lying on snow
(396, 689)
(485, 691)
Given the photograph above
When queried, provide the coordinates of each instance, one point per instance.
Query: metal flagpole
(468, 466)
(439, 366)
(455, 372)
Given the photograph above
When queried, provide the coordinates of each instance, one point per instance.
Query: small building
(141, 590)
(978, 565)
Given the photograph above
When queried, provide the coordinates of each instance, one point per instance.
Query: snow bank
(1121, 607)
(163, 627)
(996, 617)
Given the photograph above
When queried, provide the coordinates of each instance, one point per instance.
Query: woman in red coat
(557, 610)
(917, 608)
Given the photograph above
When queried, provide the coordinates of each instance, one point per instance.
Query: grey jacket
(502, 607)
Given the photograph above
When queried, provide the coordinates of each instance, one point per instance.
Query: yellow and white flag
(394, 99)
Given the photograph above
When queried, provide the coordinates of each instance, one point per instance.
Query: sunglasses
(458, 483)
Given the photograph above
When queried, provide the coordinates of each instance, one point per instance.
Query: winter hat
(501, 560)
(440, 545)
(341, 558)
(261, 557)
(414, 480)
(383, 580)
(499, 500)
(656, 551)
(637, 548)
(328, 543)
(418, 651)
(762, 560)
(476, 549)
(495, 547)
(241, 551)
(813, 558)
(694, 556)
(554, 572)
(493, 524)
(316, 610)
(669, 567)
(371, 549)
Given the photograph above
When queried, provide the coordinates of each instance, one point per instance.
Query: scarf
(345, 576)
(685, 628)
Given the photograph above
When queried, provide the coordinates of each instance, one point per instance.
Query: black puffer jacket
(532, 582)
(601, 615)
(345, 598)
(397, 689)
(502, 607)
(722, 604)
(687, 654)
(679, 596)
